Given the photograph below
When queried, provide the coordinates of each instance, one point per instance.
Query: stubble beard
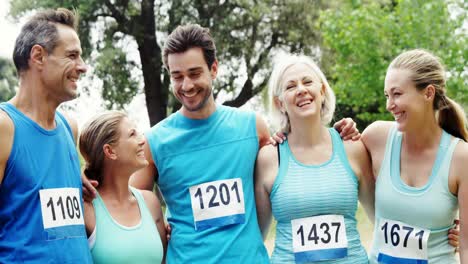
(202, 103)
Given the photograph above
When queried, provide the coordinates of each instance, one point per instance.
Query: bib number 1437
(319, 238)
(399, 242)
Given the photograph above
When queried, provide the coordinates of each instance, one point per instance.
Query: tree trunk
(151, 64)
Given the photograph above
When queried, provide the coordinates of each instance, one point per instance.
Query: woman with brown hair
(124, 225)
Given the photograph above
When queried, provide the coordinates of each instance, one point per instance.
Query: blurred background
(353, 42)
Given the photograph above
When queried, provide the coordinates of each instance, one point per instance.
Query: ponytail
(452, 119)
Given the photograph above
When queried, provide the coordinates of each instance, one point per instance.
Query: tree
(247, 34)
(8, 80)
(364, 38)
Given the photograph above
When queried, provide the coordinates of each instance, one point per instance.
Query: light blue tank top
(311, 190)
(116, 243)
(42, 162)
(220, 153)
(432, 206)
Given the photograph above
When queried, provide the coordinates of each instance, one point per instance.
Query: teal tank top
(301, 191)
(115, 243)
(206, 175)
(431, 207)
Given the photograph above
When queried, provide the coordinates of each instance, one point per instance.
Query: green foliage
(8, 80)
(364, 38)
(118, 86)
(247, 33)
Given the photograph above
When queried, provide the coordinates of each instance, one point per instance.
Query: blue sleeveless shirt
(432, 207)
(206, 175)
(41, 215)
(301, 191)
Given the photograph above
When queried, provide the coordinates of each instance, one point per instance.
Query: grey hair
(41, 30)
(276, 90)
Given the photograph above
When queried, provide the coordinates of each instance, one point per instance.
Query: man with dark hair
(203, 157)
(41, 216)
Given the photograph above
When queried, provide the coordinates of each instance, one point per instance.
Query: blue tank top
(301, 191)
(206, 175)
(116, 243)
(41, 215)
(431, 207)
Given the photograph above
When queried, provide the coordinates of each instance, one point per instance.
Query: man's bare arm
(7, 131)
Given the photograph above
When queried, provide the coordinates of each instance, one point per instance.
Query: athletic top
(115, 243)
(206, 175)
(329, 193)
(412, 215)
(41, 213)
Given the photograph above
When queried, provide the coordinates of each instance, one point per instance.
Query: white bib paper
(61, 207)
(217, 203)
(319, 238)
(398, 242)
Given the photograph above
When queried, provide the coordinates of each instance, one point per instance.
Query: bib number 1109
(61, 207)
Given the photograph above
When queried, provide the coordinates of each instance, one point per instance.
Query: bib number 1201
(223, 191)
(217, 203)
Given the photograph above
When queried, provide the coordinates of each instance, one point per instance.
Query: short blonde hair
(275, 89)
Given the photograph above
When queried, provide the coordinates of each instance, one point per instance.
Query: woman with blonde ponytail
(420, 165)
(124, 224)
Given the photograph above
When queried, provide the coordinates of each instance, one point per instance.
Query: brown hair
(41, 30)
(100, 130)
(190, 36)
(426, 69)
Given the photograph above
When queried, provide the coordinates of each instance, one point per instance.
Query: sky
(87, 105)
(9, 30)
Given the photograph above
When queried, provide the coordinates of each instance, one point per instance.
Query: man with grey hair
(41, 216)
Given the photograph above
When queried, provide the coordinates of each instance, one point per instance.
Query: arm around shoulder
(7, 131)
(89, 217)
(459, 162)
(376, 134)
(361, 165)
(266, 169)
(73, 125)
(154, 206)
(262, 130)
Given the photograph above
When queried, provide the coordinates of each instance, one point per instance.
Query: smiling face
(404, 101)
(302, 92)
(63, 66)
(191, 79)
(129, 147)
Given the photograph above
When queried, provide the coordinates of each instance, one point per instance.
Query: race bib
(398, 242)
(319, 238)
(61, 207)
(217, 203)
